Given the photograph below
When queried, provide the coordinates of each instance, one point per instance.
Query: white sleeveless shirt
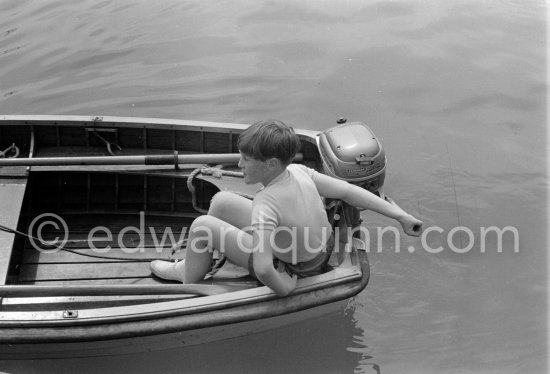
(292, 209)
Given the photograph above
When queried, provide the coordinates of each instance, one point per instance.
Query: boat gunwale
(133, 122)
(272, 308)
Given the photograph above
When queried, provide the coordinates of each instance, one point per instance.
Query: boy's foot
(168, 270)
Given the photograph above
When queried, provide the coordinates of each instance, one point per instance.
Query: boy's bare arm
(278, 281)
(364, 199)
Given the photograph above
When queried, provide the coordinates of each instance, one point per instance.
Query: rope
(216, 172)
(59, 248)
(216, 263)
(192, 189)
(14, 148)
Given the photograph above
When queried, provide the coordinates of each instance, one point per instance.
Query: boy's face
(255, 171)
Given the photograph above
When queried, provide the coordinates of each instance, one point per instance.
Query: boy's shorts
(315, 266)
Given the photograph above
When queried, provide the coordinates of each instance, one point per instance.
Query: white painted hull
(165, 341)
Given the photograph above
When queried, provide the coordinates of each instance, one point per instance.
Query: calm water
(456, 92)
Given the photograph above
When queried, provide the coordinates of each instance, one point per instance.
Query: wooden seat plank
(12, 192)
(13, 171)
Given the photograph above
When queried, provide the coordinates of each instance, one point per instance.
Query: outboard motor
(351, 152)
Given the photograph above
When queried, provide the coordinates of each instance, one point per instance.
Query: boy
(286, 223)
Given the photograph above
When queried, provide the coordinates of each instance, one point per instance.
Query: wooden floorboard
(91, 270)
(79, 224)
(240, 281)
(62, 267)
(131, 239)
(33, 256)
(107, 282)
(102, 271)
(134, 248)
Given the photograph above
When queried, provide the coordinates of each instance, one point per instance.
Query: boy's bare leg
(220, 229)
(231, 208)
(207, 231)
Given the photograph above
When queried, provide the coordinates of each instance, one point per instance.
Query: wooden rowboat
(116, 193)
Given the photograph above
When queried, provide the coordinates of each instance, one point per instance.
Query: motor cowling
(351, 152)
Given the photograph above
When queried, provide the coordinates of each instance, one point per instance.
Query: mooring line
(454, 189)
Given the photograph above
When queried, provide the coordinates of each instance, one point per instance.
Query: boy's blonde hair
(269, 139)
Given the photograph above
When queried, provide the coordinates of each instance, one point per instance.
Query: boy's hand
(411, 225)
(281, 268)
